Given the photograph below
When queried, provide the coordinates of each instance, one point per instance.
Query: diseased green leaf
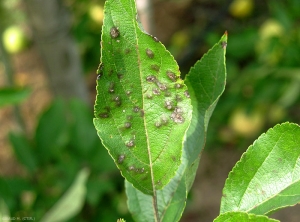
(207, 78)
(267, 177)
(242, 217)
(71, 202)
(142, 110)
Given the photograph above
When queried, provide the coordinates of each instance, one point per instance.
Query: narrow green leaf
(23, 151)
(11, 96)
(268, 175)
(172, 198)
(242, 217)
(4, 211)
(142, 111)
(207, 79)
(71, 202)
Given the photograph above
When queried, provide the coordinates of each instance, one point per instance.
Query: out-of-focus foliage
(263, 86)
(65, 141)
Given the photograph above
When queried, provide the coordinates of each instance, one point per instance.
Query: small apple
(96, 13)
(268, 53)
(241, 8)
(245, 123)
(14, 39)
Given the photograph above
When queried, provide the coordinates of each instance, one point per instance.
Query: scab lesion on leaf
(155, 68)
(149, 53)
(121, 158)
(176, 116)
(171, 75)
(114, 32)
(151, 78)
(111, 88)
(130, 143)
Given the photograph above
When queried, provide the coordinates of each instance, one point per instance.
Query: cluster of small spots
(172, 76)
(167, 94)
(100, 69)
(169, 105)
(141, 170)
(103, 115)
(136, 109)
(121, 158)
(187, 94)
(111, 88)
(114, 32)
(155, 38)
(149, 96)
(151, 78)
(149, 53)
(127, 125)
(157, 124)
(224, 45)
(142, 113)
(158, 183)
(106, 113)
(161, 86)
(178, 98)
(117, 98)
(130, 143)
(155, 67)
(120, 75)
(176, 116)
(178, 85)
(162, 122)
(156, 91)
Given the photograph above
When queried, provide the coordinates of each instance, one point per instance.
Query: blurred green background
(51, 160)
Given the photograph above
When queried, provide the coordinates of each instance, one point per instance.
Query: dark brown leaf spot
(156, 91)
(136, 109)
(121, 158)
(176, 116)
(150, 53)
(155, 68)
(103, 115)
(172, 76)
(114, 32)
(130, 143)
(151, 78)
(127, 125)
(187, 94)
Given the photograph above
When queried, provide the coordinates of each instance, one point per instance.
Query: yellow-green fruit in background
(241, 8)
(96, 13)
(245, 123)
(14, 39)
(269, 29)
